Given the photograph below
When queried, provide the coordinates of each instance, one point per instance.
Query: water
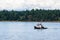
(26, 31)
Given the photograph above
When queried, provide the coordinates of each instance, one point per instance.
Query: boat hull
(35, 27)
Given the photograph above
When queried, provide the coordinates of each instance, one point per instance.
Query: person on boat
(40, 25)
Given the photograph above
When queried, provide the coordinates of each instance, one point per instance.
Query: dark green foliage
(30, 15)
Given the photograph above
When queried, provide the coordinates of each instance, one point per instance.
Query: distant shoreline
(29, 21)
(37, 15)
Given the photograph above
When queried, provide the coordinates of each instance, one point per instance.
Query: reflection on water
(26, 31)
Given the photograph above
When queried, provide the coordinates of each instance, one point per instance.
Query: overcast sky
(29, 4)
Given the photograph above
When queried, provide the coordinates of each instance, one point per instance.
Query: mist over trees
(30, 15)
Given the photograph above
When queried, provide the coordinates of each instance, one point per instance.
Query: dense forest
(30, 15)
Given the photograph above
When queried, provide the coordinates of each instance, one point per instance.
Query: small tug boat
(39, 26)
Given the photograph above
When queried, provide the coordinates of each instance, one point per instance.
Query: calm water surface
(26, 31)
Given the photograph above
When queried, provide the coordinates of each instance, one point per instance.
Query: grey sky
(29, 4)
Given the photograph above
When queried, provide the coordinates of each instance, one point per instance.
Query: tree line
(30, 15)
